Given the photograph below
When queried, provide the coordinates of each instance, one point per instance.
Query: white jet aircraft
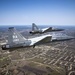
(36, 30)
(16, 40)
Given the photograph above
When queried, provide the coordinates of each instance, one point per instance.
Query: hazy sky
(50, 12)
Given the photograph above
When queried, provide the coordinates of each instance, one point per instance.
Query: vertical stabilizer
(34, 27)
(14, 36)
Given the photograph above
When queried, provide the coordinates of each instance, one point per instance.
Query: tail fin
(14, 36)
(34, 27)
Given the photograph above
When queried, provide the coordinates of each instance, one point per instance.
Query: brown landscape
(54, 58)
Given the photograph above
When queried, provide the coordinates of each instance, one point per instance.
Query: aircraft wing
(50, 29)
(40, 39)
(44, 29)
(47, 29)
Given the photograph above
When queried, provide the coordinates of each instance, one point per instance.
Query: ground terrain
(54, 58)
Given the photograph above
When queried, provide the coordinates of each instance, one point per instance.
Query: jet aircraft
(16, 40)
(36, 30)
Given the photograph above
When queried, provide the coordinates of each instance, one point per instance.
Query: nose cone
(11, 27)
